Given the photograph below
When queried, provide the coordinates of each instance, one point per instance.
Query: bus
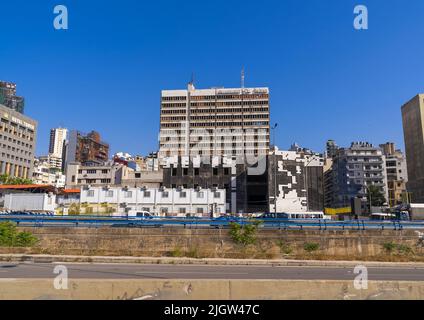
(296, 216)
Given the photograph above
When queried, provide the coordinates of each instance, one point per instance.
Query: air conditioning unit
(125, 188)
(123, 205)
(161, 189)
(180, 188)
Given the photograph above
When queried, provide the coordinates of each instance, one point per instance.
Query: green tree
(377, 197)
(6, 179)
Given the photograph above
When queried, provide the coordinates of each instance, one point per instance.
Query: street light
(273, 128)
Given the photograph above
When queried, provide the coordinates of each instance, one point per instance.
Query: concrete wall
(216, 243)
(42, 289)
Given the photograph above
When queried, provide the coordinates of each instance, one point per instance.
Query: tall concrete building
(8, 97)
(17, 143)
(86, 148)
(413, 130)
(217, 138)
(353, 171)
(215, 122)
(58, 137)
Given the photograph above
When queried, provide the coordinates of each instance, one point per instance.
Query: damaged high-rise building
(295, 180)
(217, 138)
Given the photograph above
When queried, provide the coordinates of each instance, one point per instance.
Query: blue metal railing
(271, 223)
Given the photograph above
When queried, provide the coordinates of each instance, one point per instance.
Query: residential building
(163, 202)
(17, 143)
(46, 174)
(8, 97)
(58, 138)
(413, 130)
(295, 180)
(354, 170)
(397, 175)
(86, 148)
(331, 149)
(107, 174)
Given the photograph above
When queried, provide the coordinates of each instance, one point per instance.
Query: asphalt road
(137, 271)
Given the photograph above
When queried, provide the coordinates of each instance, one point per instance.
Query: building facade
(45, 174)
(108, 174)
(295, 181)
(397, 174)
(8, 97)
(214, 122)
(17, 143)
(413, 130)
(58, 138)
(86, 148)
(217, 137)
(163, 202)
(353, 171)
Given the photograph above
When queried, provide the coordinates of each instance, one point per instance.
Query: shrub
(10, 237)
(244, 235)
(389, 246)
(284, 247)
(311, 246)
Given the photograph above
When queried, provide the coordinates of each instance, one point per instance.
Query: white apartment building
(58, 137)
(46, 174)
(163, 202)
(218, 121)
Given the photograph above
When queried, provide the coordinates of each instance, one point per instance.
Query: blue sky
(327, 80)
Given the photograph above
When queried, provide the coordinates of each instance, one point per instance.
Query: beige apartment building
(413, 129)
(214, 122)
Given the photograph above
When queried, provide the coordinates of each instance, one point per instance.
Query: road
(137, 271)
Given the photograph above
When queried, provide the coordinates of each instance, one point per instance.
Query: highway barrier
(270, 223)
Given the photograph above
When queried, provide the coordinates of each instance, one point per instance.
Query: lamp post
(273, 128)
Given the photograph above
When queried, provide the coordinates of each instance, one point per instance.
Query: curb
(38, 258)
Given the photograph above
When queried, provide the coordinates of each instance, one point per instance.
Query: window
(145, 209)
(109, 193)
(185, 171)
(226, 171)
(90, 193)
(164, 210)
(196, 171)
(91, 171)
(182, 210)
(105, 171)
(165, 194)
(200, 195)
(138, 175)
(128, 194)
(183, 194)
(217, 195)
(215, 171)
(199, 210)
(147, 194)
(173, 172)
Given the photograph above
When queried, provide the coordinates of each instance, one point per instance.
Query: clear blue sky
(327, 80)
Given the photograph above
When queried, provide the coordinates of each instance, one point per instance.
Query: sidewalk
(39, 258)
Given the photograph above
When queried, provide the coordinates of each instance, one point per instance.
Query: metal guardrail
(268, 223)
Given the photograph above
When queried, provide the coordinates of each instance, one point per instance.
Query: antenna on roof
(242, 78)
(192, 78)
